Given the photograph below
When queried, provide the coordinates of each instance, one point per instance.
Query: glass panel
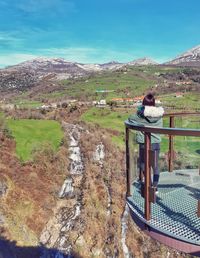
(175, 211)
(133, 148)
(187, 148)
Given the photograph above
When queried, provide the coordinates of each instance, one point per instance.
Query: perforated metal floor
(175, 210)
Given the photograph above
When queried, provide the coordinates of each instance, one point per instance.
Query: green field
(107, 118)
(30, 134)
(189, 101)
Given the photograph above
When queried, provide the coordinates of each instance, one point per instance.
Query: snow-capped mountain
(30, 73)
(57, 66)
(189, 58)
(143, 61)
(101, 67)
(60, 65)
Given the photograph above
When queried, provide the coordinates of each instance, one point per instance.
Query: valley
(62, 169)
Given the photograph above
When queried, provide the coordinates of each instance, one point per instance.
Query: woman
(148, 115)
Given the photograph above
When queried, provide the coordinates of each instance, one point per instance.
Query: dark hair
(149, 100)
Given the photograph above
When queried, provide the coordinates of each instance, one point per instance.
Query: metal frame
(171, 131)
(171, 145)
(147, 176)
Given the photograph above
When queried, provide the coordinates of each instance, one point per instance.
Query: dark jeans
(155, 147)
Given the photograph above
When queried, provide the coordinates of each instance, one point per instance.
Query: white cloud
(14, 58)
(9, 37)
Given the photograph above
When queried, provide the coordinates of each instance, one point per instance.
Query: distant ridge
(58, 69)
(143, 61)
(30, 73)
(44, 64)
(76, 69)
(188, 58)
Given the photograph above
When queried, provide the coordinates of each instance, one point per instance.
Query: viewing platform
(171, 215)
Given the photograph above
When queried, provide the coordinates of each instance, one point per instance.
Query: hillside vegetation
(34, 177)
(31, 187)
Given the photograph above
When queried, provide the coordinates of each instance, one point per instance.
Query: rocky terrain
(31, 73)
(189, 75)
(11, 80)
(189, 58)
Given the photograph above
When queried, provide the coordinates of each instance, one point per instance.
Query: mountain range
(29, 73)
(188, 58)
(64, 69)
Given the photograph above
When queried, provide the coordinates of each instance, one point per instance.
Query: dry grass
(102, 232)
(33, 188)
(32, 191)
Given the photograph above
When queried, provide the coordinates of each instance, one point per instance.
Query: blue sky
(97, 31)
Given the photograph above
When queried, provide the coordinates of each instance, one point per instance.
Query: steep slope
(189, 58)
(91, 222)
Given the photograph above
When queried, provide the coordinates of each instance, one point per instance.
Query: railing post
(128, 176)
(198, 208)
(147, 173)
(171, 146)
(198, 202)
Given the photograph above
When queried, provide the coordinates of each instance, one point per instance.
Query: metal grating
(175, 210)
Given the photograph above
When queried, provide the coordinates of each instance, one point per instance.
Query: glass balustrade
(173, 207)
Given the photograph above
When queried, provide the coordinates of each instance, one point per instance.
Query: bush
(3, 127)
(2, 122)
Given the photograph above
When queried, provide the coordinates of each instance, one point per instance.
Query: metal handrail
(182, 114)
(147, 130)
(164, 130)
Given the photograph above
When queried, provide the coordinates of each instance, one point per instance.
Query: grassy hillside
(189, 101)
(130, 81)
(30, 134)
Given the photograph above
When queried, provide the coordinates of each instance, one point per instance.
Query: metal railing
(170, 131)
